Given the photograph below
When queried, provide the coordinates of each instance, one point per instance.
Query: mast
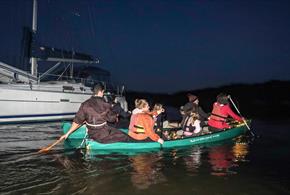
(34, 29)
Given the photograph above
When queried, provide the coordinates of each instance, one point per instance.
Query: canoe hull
(77, 140)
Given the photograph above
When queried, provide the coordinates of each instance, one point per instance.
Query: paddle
(46, 149)
(73, 127)
(252, 133)
(161, 130)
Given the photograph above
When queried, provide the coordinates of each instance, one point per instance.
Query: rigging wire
(67, 35)
(92, 23)
(106, 37)
(65, 70)
(12, 24)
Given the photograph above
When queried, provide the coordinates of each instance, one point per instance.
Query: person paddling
(220, 112)
(142, 123)
(95, 113)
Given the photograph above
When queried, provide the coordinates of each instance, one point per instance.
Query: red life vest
(216, 113)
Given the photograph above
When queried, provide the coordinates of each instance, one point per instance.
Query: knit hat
(191, 97)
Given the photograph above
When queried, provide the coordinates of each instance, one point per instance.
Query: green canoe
(78, 140)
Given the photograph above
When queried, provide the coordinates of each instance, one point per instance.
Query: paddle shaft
(241, 115)
(55, 143)
(50, 146)
(161, 131)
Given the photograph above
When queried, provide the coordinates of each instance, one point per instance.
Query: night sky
(162, 46)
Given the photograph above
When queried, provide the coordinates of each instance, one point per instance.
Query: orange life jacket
(141, 127)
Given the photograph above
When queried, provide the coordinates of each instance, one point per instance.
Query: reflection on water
(71, 160)
(193, 160)
(23, 171)
(223, 157)
(221, 160)
(146, 170)
(240, 151)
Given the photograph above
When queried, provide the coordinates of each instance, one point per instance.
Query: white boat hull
(34, 103)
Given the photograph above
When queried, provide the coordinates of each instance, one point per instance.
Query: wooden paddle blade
(46, 149)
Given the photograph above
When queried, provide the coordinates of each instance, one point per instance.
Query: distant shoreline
(270, 99)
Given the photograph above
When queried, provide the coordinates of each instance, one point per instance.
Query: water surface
(242, 166)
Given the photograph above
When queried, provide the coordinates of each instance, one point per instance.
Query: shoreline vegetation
(268, 100)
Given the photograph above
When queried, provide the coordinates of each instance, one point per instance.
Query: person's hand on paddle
(242, 120)
(161, 141)
(64, 137)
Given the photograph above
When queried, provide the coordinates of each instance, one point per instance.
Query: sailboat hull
(39, 102)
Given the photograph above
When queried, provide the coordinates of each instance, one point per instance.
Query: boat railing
(110, 87)
(15, 74)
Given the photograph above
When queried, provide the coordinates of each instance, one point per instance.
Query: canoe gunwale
(186, 141)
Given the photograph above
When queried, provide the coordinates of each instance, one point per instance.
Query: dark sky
(162, 46)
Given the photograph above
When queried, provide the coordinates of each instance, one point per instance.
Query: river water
(242, 166)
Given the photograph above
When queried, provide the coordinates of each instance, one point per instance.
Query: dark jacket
(192, 107)
(95, 111)
(120, 111)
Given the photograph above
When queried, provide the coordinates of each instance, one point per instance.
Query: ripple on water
(223, 168)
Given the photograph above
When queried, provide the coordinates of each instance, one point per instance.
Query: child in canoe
(142, 123)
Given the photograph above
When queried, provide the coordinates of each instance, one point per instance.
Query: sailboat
(25, 97)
